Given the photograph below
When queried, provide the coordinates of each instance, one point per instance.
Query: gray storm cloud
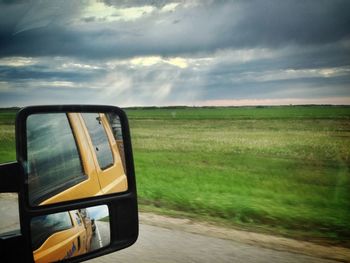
(46, 28)
(173, 52)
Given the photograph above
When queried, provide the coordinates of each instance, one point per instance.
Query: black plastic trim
(9, 177)
(11, 244)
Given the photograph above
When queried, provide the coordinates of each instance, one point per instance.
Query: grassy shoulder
(278, 230)
(104, 219)
(7, 135)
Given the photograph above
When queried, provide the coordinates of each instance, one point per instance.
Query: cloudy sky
(142, 53)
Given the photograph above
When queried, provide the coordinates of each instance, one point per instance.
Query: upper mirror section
(74, 155)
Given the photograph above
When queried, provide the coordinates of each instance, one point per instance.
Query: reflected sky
(98, 212)
(53, 157)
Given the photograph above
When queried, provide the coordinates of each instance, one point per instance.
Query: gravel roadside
(261, 240)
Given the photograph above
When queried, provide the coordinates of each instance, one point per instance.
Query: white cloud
(102, 12)
(17, 61)
(72, 66)
(169, 7)
(153, 60)
(146, 61)
(54, 83)
(178, 62)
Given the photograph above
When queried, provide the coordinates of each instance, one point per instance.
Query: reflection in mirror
(70, 233)
(74, 155)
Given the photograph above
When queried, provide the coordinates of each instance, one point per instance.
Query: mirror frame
(122, 206)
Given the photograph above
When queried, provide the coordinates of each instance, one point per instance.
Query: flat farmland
(282, 170)
(279, 169)
(7, 135)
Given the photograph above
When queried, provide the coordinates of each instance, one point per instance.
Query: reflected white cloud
(98, 212)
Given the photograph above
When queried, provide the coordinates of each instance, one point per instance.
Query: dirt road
(165, 239)
(157, 244)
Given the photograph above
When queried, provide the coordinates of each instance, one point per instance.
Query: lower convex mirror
(71, 233)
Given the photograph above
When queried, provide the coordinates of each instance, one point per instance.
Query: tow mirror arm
(9, 177)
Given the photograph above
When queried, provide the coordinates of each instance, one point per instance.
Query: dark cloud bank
(301, 35)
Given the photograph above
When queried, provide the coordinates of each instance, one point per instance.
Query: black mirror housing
(122, 205)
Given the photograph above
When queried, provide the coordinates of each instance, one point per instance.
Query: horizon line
(203, 106)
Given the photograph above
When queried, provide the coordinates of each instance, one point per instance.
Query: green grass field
(7, 136)
(282, 170)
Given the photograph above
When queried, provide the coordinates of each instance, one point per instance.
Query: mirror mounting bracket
(9, 177)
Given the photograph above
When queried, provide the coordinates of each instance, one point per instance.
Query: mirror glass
(74, 155)
(67, 234)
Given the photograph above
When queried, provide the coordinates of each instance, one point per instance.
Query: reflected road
(101, 237)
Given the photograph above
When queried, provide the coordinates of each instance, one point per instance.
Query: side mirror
(76, 182)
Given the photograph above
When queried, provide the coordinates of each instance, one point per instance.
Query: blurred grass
(285, 169)
(259, 112)
(104, 219)
(278, 169)
(7, 136)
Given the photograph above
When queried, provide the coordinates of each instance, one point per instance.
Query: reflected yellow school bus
(60, 236)
(74, 155)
